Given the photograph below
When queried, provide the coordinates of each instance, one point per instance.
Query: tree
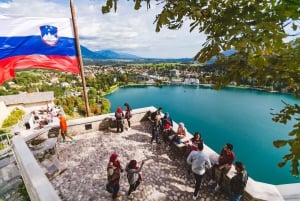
(264, 36)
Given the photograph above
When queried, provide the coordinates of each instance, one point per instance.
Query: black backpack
(153, 115)
(240, 182)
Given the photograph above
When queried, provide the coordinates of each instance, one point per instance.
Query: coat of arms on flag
(49, 34)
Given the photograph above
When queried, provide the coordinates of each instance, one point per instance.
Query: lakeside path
(166, 176)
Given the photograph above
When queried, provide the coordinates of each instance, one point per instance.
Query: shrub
(15, 116)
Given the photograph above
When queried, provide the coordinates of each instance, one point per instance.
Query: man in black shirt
(238, 182)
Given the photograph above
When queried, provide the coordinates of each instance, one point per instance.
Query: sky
(126, 31)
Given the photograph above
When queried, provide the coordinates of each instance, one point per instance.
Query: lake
(238, 116)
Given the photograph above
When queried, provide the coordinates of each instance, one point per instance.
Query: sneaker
(211, 182)
(130, 196)
(217, 188)
(129, 129)
(195, 197)
(73, 142)
(63, 141)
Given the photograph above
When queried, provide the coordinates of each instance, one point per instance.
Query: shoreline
(200, 85)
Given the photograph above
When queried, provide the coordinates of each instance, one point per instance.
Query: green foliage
(82, 109)
(15, 116)
(105, 106)
(257, 30)
(23, 192)
(2, 131)
(68, 109)
(289, 113)
(95, 109)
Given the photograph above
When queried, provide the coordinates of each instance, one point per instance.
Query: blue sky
(127, 31)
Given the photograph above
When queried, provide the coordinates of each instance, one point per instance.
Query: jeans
(133, 187)
(116, 188)
(224, 171)
(234, 197)
(198, 179)
(155, 134)
(119, 126)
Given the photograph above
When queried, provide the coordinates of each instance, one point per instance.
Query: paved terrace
(84, 179)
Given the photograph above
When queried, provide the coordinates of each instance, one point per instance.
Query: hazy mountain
(226, 53)
(112, 55)
(105, 54)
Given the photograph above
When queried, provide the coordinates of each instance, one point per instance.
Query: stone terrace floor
(166, 176)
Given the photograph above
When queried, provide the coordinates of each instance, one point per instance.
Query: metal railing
(5, 139)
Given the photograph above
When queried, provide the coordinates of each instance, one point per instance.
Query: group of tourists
(120, 117)
(114, 170)
(197, 160)
(163, 125)
(200, 163)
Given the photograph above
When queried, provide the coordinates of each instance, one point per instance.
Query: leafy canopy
(264, 34)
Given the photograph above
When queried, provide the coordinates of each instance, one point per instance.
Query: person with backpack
(154, 115)
(134, 176)
(114, 170)
(156, 130)
(238, 182)
(119, 119)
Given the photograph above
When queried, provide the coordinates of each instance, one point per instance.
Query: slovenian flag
(35, 42)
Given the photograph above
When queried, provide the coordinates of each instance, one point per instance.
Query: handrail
(7, 137)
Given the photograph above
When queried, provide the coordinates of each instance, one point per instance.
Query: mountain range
(88, 54)
(112, 55)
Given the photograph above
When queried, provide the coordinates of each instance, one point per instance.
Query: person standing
(128, 114)
(114, 170)
(156, 130)
(199, 162)
(63, 128)
(133, 176)
(155, 115)
(224, 164)
(119, 119)
(238, 182)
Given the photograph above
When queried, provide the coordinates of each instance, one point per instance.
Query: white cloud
(126, 31)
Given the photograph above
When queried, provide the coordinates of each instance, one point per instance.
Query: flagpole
(86, 101)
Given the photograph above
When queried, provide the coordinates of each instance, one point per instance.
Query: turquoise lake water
(238, 116)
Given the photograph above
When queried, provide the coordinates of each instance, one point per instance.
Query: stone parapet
(37, 184)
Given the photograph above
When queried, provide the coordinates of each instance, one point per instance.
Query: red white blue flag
(34, 42)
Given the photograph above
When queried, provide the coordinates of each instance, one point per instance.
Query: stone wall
(37, 184)
(102, 122)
